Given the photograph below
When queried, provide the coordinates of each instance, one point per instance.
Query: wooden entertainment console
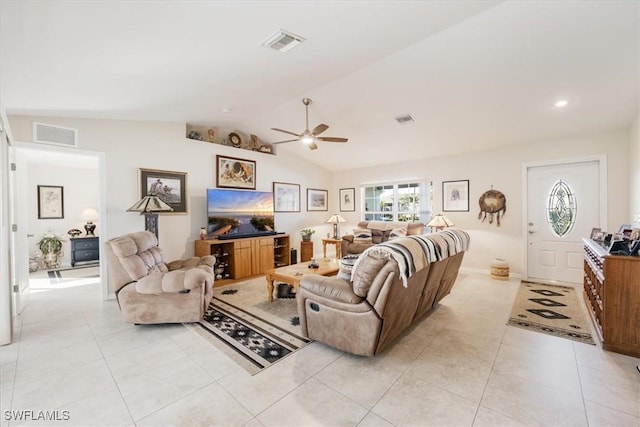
(612, 294)
(242, 258)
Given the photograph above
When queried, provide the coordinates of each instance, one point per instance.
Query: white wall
(80, 191)
(501, 168)
(634, 173)
(129, 145)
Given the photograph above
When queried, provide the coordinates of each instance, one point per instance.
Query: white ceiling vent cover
(282, 41)
(403, 120)
(50, 134)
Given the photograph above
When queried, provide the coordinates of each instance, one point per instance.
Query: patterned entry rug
(250, 330)
(550, 309)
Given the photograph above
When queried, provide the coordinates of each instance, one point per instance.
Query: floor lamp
(148, 206)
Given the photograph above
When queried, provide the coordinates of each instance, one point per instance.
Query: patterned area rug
(253, 332)
(550, 309)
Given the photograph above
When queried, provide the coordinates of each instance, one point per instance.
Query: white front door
(563, 205)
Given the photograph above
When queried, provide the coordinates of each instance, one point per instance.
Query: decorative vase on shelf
(203, 233)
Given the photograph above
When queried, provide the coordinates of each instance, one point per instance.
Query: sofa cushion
(362, 235)
(398, 232)
(346, 265)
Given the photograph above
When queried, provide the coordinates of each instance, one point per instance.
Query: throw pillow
(346, 265)
(362, 235)
(398, 232)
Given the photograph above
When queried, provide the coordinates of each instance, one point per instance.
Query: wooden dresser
(612, 294)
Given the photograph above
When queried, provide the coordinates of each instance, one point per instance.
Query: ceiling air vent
(403, 120)
(50, 134)
(282, 41)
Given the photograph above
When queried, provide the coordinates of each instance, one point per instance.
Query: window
(397, 202)
(561, 209)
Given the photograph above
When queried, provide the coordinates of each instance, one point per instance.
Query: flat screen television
(239, 213)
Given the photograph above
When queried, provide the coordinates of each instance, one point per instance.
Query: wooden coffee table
(292, 274)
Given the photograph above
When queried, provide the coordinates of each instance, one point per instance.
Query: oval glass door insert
(562, 208)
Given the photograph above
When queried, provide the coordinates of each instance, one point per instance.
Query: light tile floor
(461, 366)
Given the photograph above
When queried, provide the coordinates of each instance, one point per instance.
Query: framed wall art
(455, 196)
(317, 200)
(50, 202)
(286, 197)
(232, 172)
(347, 199)
(170, 186)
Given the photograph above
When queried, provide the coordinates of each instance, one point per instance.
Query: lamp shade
(335, 219)
(150, 203)
(89, 214)
(439, 222)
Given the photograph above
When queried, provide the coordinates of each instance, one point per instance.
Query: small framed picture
(170, 187)
(598, 236)
(455, 196)
(286, 197)
(317, 200)
(347, 199)
(50, 202)
(595, 231)
(624, 227)
(232, 172)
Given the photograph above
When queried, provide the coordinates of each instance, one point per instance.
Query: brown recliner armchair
(380, 231)
(152, 291)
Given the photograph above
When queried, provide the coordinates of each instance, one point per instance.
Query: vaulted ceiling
(473, 74)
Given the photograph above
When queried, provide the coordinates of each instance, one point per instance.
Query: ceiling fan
(309, 137)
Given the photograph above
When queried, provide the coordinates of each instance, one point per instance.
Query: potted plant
(306, 234)
(51, 247)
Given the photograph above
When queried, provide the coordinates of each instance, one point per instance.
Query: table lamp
(439, 222)
(336, 220)
(148, 206)
(89, 215)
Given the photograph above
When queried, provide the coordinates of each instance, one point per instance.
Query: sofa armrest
(195, 261)
(348, 238)
(176, 281)
(331, 288)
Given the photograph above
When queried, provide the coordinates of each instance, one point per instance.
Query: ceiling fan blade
(319, 129)
(332, 139)
(285, 131)
(282, 142)
(313, 146)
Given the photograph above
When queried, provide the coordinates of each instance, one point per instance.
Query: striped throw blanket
(412, 253)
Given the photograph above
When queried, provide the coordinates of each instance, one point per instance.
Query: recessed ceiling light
(561, 103)
(227, 110)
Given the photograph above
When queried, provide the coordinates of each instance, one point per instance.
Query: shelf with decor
(612, 296)
(238, 259)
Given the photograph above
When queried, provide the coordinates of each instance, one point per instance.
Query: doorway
(564, 201)
(80, 175)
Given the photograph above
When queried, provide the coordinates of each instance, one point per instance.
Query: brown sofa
(152, 291)
(393, 285)
(380, 232)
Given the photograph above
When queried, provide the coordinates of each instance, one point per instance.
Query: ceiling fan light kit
(310, 137)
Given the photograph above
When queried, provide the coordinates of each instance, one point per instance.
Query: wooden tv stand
(238, 259)
(612, 294)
